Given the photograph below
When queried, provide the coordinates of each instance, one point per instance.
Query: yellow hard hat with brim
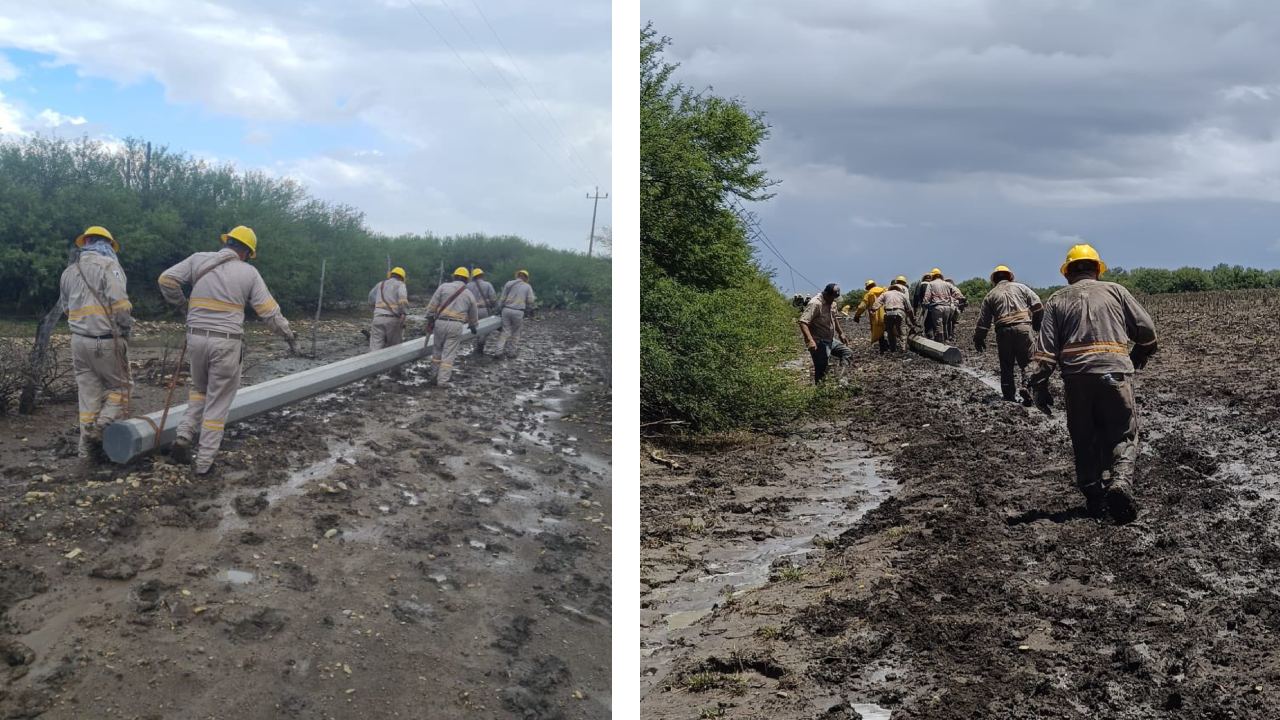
(1082, 252)
(869, 284)
(1000, 269)
(902, 279)
(97, 231)
(396, 271)
(245, 236)
(936, 272)
(462, 273)
(477, 272)
(525, 273)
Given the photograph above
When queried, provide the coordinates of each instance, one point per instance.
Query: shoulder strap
(211, 268)
(453, 297)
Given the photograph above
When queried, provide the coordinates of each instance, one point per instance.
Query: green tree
(714, 331)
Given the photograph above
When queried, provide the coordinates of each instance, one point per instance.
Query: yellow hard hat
(396, 271)
(845, 309)
(477, 272)
(97, 231)
(1000, 269)
(246, 236)
(525, 273)
(869, 284)
(901, 279)
(462, 273)
(936, 273)
(1082, 252)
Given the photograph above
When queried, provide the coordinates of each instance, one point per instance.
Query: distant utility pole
(591, 239)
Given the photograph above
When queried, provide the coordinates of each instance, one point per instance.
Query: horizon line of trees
(163, 205)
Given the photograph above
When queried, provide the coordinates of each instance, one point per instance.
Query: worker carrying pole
(941, 300)
(1087, 328)
(895, 307)
(869, 296)
(452, 311)
(486, 296)
(222, 283)
(390, 301)
(1016, 311)
(94, 295)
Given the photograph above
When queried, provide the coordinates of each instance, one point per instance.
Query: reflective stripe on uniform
(213, 424)
(1013, 317)
(87, 418)
(122, 305)
(167, 281)
(1045, 357)
(116, 397)
(1093, 348)
(212, 304)
(453, 315)
(195, 396)
(266, 307)
(86, 311)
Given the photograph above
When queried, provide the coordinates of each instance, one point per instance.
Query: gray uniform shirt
(1008, 303)
(1087, 328)
(389, 298)
(461, 308)
(518, 295)
(820, 317)
(484, 292)
(85, 314)
(217, 301)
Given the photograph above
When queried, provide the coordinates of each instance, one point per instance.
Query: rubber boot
(180, 453)
(1120, 501)
(1095, 503)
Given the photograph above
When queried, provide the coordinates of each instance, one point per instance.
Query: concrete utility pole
(591, 239)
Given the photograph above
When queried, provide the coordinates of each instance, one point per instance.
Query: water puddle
(990, 381)
(869, 711)
(341, 452)
(855, 487)
(235, 577)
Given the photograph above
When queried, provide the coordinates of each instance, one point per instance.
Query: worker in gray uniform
(390, 301)
(1016, 311)
(516, 303)
(486, 296)
(1086, 333)
(451, 312)
(93, 292)
(222, 284)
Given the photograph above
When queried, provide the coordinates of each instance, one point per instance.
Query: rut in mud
(385, 550)
(978, 588)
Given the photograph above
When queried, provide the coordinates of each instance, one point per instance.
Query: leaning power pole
(591, 239)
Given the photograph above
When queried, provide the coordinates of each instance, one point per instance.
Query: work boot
(1120, 501)
(1095, 500)
(1025, 396)
(180, 453)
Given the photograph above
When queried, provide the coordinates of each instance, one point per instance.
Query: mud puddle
(854, 485)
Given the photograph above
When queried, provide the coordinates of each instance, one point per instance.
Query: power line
(753, 224)
(492, 94)
(533, 89)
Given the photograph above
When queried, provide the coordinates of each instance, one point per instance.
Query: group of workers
(1094, 332)
(93, 293)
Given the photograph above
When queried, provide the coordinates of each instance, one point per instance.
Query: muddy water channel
(764, 533)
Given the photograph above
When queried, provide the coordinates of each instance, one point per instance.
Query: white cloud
(379, 67)
(1053, 237)
(11, 119)
(8, 71)
(53, 118)
(868, 222)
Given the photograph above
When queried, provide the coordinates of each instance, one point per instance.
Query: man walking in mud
(486, 296)
(517, 303)
(452, 311)
(1086, 332)
(94, 295)
(222, 283)
(822, 333)
(897, 312)
(940, 301)
(390, 301)
(1016, 311)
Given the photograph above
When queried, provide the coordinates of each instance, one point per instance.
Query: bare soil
(977, 587)
(388, 550)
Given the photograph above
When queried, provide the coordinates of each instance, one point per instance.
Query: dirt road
(388, 550)
(975, 587)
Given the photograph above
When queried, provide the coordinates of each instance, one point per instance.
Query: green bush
(163, 206)
(714, 331)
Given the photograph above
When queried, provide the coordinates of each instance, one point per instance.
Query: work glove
(980, 341)
(857, 319)
(1139, 354)
(472, 328)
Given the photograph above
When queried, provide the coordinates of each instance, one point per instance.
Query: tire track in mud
(980, 590)
(375, 552)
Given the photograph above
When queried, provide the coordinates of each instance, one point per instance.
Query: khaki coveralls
(215, 329)
(446, 321)
(517, 298)
(1086, 331)
(486, 297)
(99, 345)
(1010, 306)
(390, 300)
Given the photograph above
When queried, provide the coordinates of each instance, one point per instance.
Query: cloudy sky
(965, 133)
(500, 126)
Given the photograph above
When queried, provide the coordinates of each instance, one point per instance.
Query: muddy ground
(388, 550)
(922, 553)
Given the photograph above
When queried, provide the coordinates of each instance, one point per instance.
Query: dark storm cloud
(978, 131)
